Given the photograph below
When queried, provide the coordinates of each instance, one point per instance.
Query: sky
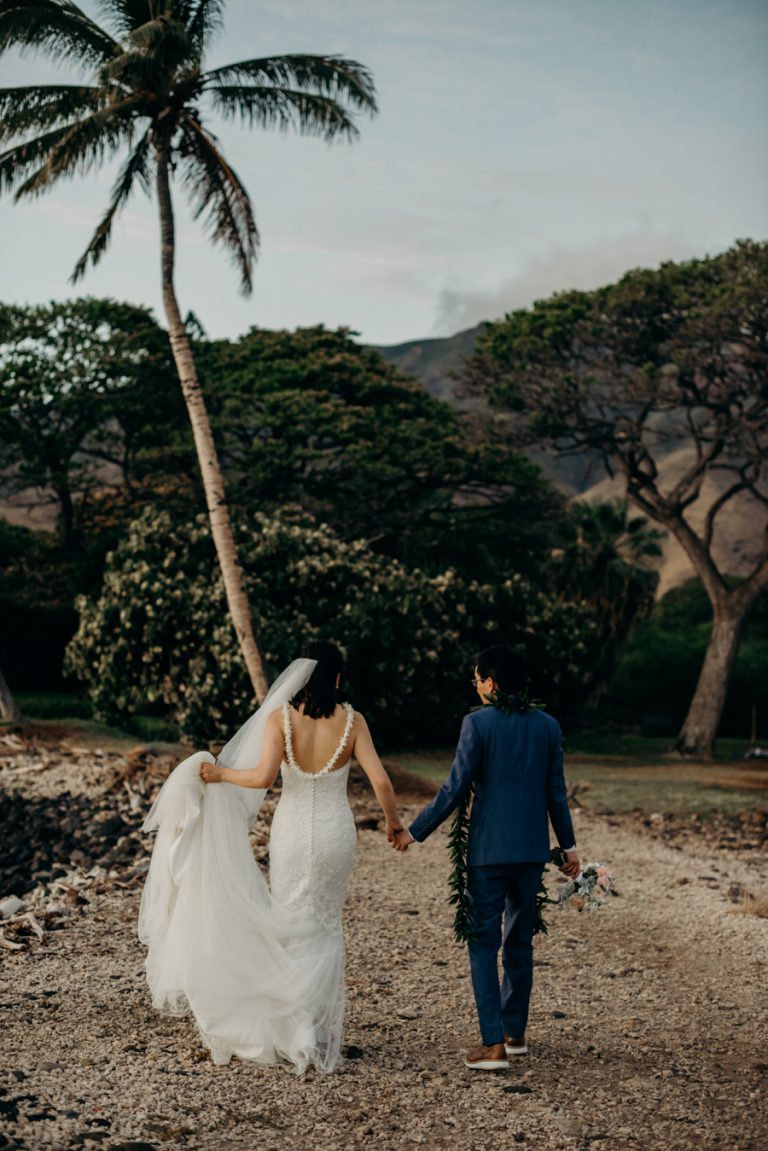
(521, 148)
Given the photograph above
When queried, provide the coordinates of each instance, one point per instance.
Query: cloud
(563, 268)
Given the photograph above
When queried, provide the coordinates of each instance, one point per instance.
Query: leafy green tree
(310, 416)
(313, 417)
(83, 392)
(672, 360)
(148, 95)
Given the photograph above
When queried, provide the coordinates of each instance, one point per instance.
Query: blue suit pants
(503, 891)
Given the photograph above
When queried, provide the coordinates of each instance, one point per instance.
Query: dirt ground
(647, 1027)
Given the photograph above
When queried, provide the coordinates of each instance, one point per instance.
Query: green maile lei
(458, 841)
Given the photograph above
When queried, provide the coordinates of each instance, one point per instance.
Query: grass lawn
(57, 709)
(161, 735)
(646, 779)
(618, 772)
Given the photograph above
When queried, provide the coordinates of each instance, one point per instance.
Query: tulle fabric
(251, 970)
(180, 793)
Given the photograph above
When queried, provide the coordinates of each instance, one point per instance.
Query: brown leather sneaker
(491, 1058)
(515, 1046)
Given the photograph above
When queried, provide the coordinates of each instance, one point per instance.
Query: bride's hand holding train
(211, 772)
(262, 776)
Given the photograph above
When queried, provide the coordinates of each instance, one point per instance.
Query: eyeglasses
(475, 681)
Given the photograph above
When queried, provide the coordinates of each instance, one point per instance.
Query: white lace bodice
(331, 765)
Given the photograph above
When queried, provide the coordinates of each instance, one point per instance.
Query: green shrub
(152, 728)
(158, 638)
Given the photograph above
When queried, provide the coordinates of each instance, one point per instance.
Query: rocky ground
(647, 1028)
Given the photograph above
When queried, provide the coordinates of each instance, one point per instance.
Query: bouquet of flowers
(586, 892)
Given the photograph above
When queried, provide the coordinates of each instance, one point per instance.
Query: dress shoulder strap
(287, 732)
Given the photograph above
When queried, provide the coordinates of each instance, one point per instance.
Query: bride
(261, 967)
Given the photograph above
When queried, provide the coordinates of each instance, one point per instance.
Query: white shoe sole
(516, 1050)
(488, 1065)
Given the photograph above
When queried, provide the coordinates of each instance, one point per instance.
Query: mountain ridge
(433, 360)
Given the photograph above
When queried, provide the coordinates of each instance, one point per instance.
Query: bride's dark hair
(320, 694)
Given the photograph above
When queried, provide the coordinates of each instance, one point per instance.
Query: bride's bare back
(315, 741)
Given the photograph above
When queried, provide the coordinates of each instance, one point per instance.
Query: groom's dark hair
(509, 668)
(320, 694)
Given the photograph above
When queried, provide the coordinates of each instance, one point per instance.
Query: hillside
(433, 361)
(436, 361)
(739, 528)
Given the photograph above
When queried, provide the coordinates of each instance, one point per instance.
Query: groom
(514, 761)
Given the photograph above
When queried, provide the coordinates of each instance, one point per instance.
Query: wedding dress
(261, 971)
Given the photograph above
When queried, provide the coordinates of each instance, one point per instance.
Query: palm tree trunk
(9, 710)
(213, 481)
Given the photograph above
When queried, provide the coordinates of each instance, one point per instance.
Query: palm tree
(610, 564)
(147, 95)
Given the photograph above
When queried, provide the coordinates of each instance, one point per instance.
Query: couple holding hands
(261, 965)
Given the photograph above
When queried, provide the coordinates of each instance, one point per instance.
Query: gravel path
(647, 1027)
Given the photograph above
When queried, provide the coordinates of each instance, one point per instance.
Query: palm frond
(158, 80)
(166, 40)
(135, 168)
(332, 76)
(308, 113)
(36, 164)
(217, 192)
(43, 106)
(204, 20)
(128, 15)
(58, 26)
(17, 162)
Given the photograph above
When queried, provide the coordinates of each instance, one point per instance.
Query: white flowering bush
(158, 638)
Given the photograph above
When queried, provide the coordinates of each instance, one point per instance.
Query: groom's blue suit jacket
(515, 763)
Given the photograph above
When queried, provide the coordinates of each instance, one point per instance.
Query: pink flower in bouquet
(603, 877)
(577, 902)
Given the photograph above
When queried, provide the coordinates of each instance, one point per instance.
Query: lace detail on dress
(290, 758)
(311, 855)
